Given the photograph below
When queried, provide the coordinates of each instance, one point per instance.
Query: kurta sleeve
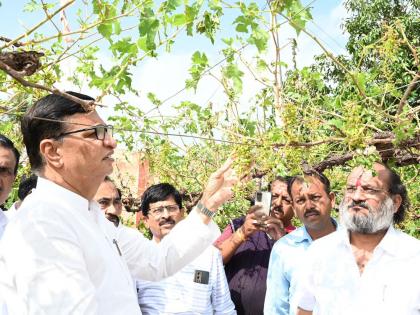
(150, 261)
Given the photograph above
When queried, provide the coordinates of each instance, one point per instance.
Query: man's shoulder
(294, 238)
(326, 245)
(407, 245)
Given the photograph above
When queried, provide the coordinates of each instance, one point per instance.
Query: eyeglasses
(368, 192)
(106, 202)
(100, 131)
(157, 212)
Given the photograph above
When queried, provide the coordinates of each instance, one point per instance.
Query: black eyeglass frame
(108, 129)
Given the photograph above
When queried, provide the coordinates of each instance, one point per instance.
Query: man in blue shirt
(312, 202)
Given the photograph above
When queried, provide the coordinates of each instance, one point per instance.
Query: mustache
(170, 221)
(360, 204)
(278, 209)
(311, 211)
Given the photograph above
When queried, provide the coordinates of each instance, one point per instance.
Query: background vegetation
(342, 111)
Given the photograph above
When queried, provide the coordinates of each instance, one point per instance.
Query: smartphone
(263, 199)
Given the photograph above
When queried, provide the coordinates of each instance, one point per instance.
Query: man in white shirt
(9, 162)
(59, 255)
(368, 267)
(200, 287)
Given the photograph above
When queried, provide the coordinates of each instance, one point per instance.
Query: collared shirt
(60, 255)
(389, 284)
(283, 270)
(3, 222)
(183, 294)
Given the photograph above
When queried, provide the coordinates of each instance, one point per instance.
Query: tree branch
(407, 93)
(17, 75)
(47, 18)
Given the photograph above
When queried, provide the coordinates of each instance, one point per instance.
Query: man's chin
(167, 227)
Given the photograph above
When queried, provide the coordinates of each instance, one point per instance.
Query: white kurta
(389, 284)
(60, 255)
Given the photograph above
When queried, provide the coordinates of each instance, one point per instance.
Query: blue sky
(327, 17)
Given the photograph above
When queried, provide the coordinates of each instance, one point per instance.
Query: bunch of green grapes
(244, 160)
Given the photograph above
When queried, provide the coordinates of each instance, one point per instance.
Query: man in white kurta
(369, 267)
(9, 162)
(59, 254)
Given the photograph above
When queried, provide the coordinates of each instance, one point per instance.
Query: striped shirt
(180, 294)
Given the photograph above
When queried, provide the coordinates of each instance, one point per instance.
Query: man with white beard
(368, 267)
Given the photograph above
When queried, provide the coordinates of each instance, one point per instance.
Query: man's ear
(51, 152)
(397, 199)
(331, 195)
(146, 221)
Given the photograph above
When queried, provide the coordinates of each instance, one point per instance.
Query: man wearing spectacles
(60, 255)
(368, 267)
(200, 287)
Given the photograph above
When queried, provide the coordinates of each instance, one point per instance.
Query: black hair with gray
(396, 187)
(42, 121)
(318, 175)
(159, 192)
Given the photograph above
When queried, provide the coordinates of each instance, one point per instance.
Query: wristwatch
(205, 211)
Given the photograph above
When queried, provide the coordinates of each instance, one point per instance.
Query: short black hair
(27, 183)
(283, 179)
(108, 179)
(396, 187)
(159, 192)
(50, 109)
(318, 175)
(8, 144)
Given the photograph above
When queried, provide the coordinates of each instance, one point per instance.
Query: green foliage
(333, 107)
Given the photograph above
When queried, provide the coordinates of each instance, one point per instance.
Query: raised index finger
(223, 168)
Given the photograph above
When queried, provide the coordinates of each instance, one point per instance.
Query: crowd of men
(64, 249)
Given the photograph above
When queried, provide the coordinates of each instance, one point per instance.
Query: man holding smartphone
(246, 244)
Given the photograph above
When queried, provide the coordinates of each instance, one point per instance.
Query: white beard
(371, 223)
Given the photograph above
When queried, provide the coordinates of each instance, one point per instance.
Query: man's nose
(358, 194)
(309, 203)
(109, 141)
(165, 212)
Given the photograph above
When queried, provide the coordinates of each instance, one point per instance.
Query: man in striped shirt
(200, 287)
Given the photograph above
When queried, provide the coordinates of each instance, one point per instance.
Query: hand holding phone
(263, 200)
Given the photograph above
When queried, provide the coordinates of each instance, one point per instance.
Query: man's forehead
(278, 187)
(7, 157)
(167, 201)
(106, 190)
(309, 184)
(378, 175)
(81, 120)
